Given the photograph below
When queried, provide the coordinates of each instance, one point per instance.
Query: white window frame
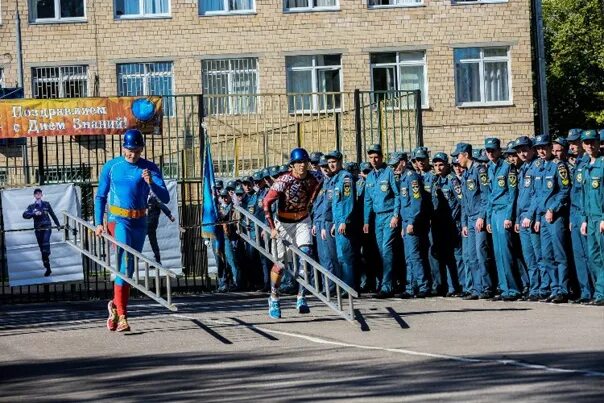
(226, 10)
(467, 2)
(404, 5)
(397, 65)
(310, 7)
(314, 69)
(63, 76)
(230, 71)
(57, 18)
(146, 75)
(481, 61)
(142, 14)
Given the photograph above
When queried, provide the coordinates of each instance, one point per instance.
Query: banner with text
(79, 116)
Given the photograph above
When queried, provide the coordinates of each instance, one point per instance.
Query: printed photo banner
(30, 249)
(79, 116)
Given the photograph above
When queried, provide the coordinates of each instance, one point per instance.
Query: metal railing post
(357, 125)
(419, 126)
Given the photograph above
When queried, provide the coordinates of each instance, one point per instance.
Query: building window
(135, 79)
(477, 1)
(209, 7)
(57, 10)
(60, 82)
(394, 3)
(306, 5)
(2, 85)
(231, 84)
(142, 8)
(314, 82)
(482, 76)
(395, 73)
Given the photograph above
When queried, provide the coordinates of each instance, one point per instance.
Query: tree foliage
(574, 48)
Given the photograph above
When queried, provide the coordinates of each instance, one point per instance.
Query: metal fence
(247, 132)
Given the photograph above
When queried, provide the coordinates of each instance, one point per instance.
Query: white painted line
(440, 356)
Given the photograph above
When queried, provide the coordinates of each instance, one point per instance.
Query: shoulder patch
(484, 177)
(563, 172)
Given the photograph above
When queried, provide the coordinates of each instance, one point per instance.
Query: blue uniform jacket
(381, 193)
(576, 190)
(503, 179)
(41, 221)
(449, 189)
(344, 194)
(474, 190)
(593, 193)
(526, 189)
(121, 184)
(552, 188)
(412, 198)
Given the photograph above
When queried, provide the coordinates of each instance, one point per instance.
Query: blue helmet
(133, 138)
(299, 155)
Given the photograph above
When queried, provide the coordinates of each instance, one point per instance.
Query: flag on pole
(209, 214)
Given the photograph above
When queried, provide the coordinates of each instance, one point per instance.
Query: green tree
(574, 48)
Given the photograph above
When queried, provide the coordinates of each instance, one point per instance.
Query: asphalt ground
(224, 347)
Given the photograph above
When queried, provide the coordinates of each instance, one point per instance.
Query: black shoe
(533, 298)
(424, 294)
(497, 298)
(597, 302)
(580, 301)
(470, 297)
(511, 298)
(48, 272)
(383, 295)
(549, 298)
(486, 295)
(406, 295)
(560, 299)
(451, 294)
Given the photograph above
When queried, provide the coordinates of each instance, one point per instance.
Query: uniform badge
(513, 179)
(329, 194)
(550, 183)
(527, 181)
(471, 185)
(484, 179)
(404, 192)
(260, 203)
(447, 193)
(501, 181)
(415, 189)
(397, 177)
(251, 209)
(384, 187)
(347, 187)
(595, 183)
(458, 189)
(579, 177)
(563, 171)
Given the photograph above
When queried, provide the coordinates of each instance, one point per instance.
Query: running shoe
(113, 318)
(122, 324)
(274, 308)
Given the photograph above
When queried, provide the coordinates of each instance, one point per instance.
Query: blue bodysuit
(124, 192)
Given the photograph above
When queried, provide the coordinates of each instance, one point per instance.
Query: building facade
(470, 58)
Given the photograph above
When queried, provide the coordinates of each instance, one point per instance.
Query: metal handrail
(80, 235)
(315, 289)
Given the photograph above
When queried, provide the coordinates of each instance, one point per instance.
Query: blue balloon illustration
(143, 109)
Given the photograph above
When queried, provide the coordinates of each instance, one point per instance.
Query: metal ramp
(79, 234)
(340, 303)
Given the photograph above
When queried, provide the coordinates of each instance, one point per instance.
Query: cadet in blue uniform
(232, 243)
(382, 201)
(475, 188)
(463, 271)
(369, 251)
(447, 221)
(501, 214)
(42, 212)
(550, 207)
(578, 241)
(430, 250)
(414, 224)
(343, 208)
(154, 210)
(530, 240)
(124, 185)
(322, 222)
(593, 210)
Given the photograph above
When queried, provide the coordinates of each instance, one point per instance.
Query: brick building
(470, 58)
